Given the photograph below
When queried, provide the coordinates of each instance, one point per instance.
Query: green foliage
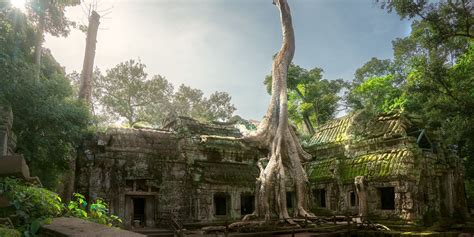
(7, 232)
(312, 100)
(32, 205)
(96, 212)
(48, 121)
(127, 93)
(379, 94)
(190, 102)
(52, 15)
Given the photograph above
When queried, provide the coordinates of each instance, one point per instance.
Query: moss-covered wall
(427, 181)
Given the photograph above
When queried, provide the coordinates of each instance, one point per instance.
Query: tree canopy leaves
(312, 100)
(127, 93)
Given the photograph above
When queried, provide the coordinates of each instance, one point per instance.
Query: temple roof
(361, 125)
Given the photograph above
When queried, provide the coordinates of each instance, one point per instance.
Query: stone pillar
(6, 136)
(361, 188)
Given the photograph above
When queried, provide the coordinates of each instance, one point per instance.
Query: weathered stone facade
(204, 173)
(408, 174)
(199, 171)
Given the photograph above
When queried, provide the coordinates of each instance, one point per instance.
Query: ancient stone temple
(380, 167)
(199, 172)
(402, 171)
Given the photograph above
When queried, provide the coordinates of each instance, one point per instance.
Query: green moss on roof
(375, 166)
(360, 126)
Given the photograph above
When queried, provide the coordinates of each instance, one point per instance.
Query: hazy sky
(227, 45)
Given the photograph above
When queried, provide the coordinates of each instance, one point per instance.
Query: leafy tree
(192, 103)
(127, 92)
(48, 16)
(379, 94)
(311, 99)
(218, 106)
(48, 121)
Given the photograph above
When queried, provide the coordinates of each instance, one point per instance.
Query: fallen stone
(210, 229)
(75, 227)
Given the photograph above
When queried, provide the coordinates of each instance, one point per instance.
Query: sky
(227, 45)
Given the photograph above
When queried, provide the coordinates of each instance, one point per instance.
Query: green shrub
(96, 212)
(6, 232)
(33, 206)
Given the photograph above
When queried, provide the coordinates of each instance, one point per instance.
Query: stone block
(14, 165)
(69, 227)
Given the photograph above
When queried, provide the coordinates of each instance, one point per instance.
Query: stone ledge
(75, 227)
(15, 165)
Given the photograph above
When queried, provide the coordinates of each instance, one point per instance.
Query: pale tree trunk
(85, 91)
(361, 189)
(274, 132)
(39, 44)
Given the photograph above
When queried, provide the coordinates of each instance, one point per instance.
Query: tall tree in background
(191, 102)
(127, 92)
(275, 133)
(49, 17)
(85, 90)
(311, 100)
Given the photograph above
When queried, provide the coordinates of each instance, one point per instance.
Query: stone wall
(205, 172)
(175, 170)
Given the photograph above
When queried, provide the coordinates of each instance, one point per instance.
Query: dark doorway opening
(221, 204)
(387, 198)
(353, 199)
(139, 211)
(247, 204)
(290, 200)
(320, 197)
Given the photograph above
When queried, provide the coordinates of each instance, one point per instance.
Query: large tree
(192, 103)
(275, 133)
(127, 93)
(48, 16)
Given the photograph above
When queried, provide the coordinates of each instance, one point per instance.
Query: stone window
(421, 139)
(387, 198)
(221, 204)
(353, 199)
(247, 204)
(320, 197)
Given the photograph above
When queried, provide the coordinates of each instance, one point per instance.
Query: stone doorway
(139, 215)
(140, 211)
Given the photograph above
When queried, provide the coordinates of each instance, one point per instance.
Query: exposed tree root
(284, 162)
